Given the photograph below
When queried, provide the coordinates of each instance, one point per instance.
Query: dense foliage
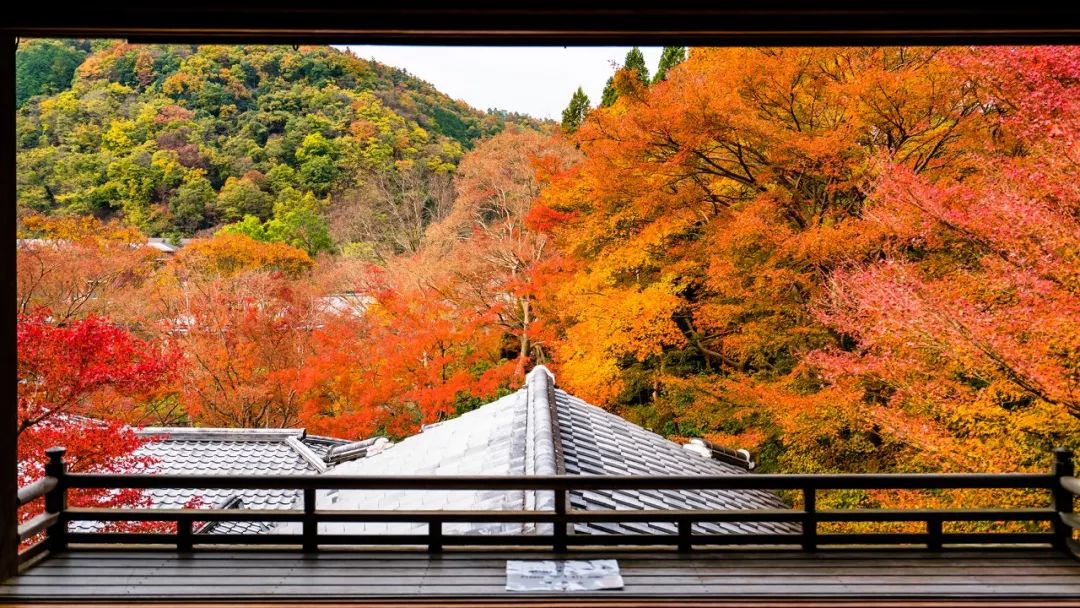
(856, 259)
(177, 139)
(843, 259)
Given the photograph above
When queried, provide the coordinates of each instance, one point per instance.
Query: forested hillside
(285, 143)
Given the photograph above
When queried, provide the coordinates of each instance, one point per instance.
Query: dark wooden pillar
(1063, 497)
(9, 526)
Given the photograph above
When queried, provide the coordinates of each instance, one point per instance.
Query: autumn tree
(79, 266)
(488, 248)
(633, 68)
(452, 323)
(79, 381)
(242, 313)
(244, 338)
(707, 216)
(962, 338)
(228, 254)
(412, 358)
(389, 212)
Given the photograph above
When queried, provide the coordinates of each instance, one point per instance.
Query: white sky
(532, 80)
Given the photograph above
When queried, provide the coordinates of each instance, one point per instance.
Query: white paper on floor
(563, 575)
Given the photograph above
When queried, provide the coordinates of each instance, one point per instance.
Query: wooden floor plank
(224, 575)
(58, 575)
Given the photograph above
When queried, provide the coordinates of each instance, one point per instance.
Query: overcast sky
(532, 80)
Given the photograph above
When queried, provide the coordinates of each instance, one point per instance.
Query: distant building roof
(161, 244)
(349, 303)
(214, 451)
(539, 430)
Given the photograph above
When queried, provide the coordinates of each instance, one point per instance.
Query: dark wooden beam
(9, 527)
(849, 481)
(765, 22)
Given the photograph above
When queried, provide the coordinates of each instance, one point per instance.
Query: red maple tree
(76, 379)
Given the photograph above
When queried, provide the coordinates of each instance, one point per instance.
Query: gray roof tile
(193, 451)
(605, 444)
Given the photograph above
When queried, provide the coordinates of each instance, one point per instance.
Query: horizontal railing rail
(855, 481)
(795, 527)
(34, 491)
(508, 516)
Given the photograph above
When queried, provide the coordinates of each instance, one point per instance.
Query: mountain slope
(180, 138)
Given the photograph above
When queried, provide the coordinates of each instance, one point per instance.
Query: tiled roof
(537, 430)
(489, 440)
(516, 435)
(595, 442)
(185, 452)
(209, 451)
(226, 457)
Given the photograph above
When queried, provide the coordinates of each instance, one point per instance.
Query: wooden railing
(1060, 485)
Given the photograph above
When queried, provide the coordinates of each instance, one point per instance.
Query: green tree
(318, 162)
(240, 197)
(251, 227)
(607, 99)
(297, 221)
(44, 67)
(575, 113)
(669, 58)
(188, 206)
(281, 177)
(636, 61)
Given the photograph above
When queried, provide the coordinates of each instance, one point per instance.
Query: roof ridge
(539, 437)
(307, 454)
(541, 426)
(188, 433)
(540, 370)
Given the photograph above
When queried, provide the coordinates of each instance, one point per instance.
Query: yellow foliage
(228, 254)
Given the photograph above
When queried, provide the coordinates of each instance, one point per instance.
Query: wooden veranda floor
(1033, 577)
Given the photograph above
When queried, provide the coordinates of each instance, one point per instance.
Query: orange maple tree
(76, 266)
(750, 237)
(413, 357)
(243, 313)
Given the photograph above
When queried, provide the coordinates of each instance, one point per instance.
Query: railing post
(934, 534)
(809, 526)
(435, 543)
(184, 540)
(311, 524)
(559, 527)
(1063, 498)
(56, 499)
(685, 533)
